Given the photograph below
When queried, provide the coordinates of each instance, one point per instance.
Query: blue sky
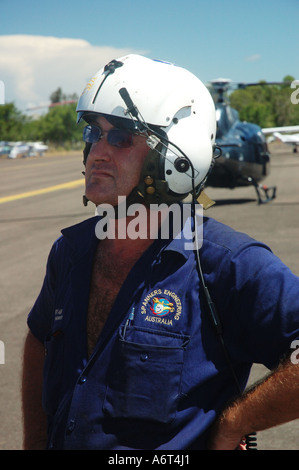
(238, 39)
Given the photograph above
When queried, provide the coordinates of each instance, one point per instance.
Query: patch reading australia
(161, 306)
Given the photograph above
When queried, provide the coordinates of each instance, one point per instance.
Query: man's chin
(100, 198)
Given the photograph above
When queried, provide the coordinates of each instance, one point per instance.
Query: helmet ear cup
(152, 187)
(181, 164)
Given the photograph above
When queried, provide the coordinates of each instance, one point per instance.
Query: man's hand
(34, 418)
(270, 403)
(224, 435)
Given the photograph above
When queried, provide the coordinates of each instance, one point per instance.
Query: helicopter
(245, 157)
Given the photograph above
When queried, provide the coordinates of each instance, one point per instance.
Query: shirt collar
(82, 238)
(182, 243)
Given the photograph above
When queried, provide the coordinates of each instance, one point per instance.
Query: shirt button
(70, 426)
(144, 357)
(82, 379)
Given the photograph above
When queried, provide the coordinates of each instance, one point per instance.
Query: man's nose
(100, 149)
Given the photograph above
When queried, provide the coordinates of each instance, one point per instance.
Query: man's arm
(34, 418)
(274, 401)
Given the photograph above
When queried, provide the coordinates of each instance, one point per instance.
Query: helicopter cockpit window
(232, 115)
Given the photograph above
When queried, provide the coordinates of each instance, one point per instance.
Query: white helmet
(168, 103)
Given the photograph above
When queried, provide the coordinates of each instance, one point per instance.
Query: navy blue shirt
(158, 377)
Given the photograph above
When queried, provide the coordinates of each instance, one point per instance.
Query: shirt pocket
(144, 377)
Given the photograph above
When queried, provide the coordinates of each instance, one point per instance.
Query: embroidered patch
(161, 306)
(58, 314)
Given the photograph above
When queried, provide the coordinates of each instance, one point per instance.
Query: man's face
(111, 171)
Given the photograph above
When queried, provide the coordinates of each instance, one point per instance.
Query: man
(143, 342)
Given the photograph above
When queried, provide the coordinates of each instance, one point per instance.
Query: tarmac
(41, 195)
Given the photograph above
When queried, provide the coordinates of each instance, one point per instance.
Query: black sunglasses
(120, 138)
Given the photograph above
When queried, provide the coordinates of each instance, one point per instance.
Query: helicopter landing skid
(264, 193)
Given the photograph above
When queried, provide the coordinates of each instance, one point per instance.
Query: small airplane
(25, 149)
(289, 139)
(4, 148)
(245, 157)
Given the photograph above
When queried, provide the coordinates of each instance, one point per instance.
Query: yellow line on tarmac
(49, 189)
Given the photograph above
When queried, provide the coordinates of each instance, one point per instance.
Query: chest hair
(108, 274)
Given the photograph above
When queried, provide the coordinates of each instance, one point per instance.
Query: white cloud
(32, 67)
(253, 58)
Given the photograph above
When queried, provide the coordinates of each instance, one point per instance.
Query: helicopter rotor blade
(261, 83)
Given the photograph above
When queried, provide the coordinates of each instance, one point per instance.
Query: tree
(11, 122)
(266, 105)
(57, 96)
(59, 126)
